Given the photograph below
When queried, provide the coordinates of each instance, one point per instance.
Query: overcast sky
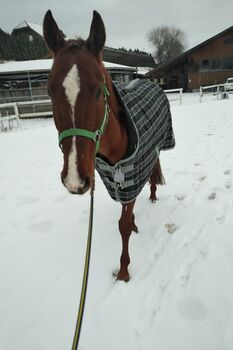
(127, 21)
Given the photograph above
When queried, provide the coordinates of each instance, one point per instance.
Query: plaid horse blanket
(149, 125)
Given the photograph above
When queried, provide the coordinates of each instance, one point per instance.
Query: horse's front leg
(126, 226)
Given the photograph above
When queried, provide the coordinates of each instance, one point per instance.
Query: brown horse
(90, 118)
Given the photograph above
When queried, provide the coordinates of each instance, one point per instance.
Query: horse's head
(77, 88)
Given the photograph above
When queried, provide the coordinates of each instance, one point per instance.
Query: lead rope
(85, 274)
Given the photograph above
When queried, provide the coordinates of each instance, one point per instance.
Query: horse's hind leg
(156, 178)
(126, 226)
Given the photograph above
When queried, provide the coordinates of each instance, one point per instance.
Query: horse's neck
(114, 143)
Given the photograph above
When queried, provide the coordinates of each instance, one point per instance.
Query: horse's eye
(98, 93)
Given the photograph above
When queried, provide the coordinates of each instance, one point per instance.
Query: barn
(26, 81)
(210, 62)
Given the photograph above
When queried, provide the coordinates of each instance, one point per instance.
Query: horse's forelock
(72, 44)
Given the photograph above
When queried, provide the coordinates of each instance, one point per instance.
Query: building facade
(210, 62)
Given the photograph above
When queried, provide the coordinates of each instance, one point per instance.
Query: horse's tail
(157, 175)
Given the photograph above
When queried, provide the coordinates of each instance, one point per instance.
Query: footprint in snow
(180, 197)
(171, 227)
(202, 178)
(191, 309)
(219, 219)
(227, 172)
(212, 196)
(41, 227)
(228, 185)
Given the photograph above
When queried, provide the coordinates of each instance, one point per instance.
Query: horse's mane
(112, 100)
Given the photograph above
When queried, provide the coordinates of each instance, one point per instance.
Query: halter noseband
(92, 135)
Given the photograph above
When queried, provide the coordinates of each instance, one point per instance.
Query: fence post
(181, 91)
(200, 93)
(16, 110)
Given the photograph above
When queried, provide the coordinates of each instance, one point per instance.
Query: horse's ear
(52, 34)
(96, 40)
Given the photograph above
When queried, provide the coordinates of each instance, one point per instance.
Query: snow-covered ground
(180, 293)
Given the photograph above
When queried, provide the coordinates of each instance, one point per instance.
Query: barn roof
(45, 65)
(129, 58)
(35, 27)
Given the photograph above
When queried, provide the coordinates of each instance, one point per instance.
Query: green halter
(93, 135)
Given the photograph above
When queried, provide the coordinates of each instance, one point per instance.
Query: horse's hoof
(135, 229)
(123, 276)
(153, 200)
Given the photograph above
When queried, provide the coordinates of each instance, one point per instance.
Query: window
(227, 63)
(205, 64)
(229, 40)
(215, 64)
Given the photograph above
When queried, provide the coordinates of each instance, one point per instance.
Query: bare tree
(168, 42)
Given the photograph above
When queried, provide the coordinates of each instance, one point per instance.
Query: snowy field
(180, 293)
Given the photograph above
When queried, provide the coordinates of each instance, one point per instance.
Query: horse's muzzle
(82, 188)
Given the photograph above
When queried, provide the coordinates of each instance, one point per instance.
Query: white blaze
(71, 85)
(72, 180)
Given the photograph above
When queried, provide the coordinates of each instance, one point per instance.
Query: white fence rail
(175, 98)
(10, 120)
(212, 90)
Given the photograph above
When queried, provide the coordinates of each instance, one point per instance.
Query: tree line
(168, 42)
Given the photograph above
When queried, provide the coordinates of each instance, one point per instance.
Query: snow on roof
(143, 70)
(36, 27)
(28, 66)
(45, 65)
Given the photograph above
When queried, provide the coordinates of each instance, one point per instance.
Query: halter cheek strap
(92, 135)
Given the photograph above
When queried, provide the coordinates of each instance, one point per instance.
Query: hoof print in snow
(212, 196)
(171, 227)
(219, 219)
(227, 172)
(228, 185)
(202, 178)
(180, 197)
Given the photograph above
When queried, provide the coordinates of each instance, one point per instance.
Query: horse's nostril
(86, 185)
